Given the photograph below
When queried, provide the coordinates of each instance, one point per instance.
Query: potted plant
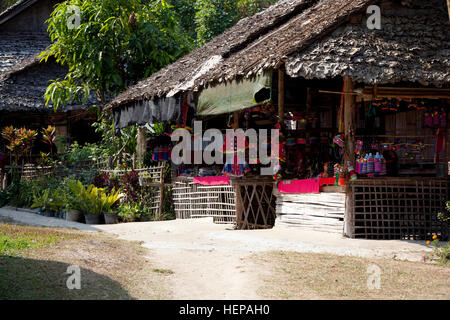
(91, 205)
(57, 203)
(74, 199)
(107, 201)
(41, 202)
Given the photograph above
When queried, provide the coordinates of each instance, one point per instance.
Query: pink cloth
(212, 181)
(299, 186)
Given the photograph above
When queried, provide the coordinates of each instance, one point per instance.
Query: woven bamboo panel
(197, 201)
(155, 193)
(152, 179)
(323, 211)
(397, 208)
(31, 172)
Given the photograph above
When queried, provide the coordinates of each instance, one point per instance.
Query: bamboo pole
(141, 146)
(447, 145)
(280, 95)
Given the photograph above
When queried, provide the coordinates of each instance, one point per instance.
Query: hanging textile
(148, 111)
(235, 95)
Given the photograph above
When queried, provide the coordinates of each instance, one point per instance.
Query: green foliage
(74, 195)
(213, 17)
(129, 212)
(14, 239)
(441, 252)
(168, 210)
(5, 4)
(185, 11)
(20, 194)
(80, 153)
(58, 200)
(117, 43)
(41, 200)
(445, 216)
(91, 200)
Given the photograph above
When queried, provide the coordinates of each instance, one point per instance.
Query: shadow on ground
(29, 279)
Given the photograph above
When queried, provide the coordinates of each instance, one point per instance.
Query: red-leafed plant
(49, 137)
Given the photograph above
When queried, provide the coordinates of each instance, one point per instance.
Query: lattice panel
(256, 209)
(397, 208)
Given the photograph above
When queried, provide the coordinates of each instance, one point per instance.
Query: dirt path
(211, 261)
(214, 262)
(215, 275)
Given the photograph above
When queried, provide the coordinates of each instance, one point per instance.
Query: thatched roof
(290, 28)
(22, 88)
(17, 48)
(413, 45)
(23, 78)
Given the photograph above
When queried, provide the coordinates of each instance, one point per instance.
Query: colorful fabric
(212, 181)
(299, 186)
(331, 181)
(307, 185)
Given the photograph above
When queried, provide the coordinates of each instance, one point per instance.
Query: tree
(214, 16)
(116, 43)
(5, 4)
(185, 11)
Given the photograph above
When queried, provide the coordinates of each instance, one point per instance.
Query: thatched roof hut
(23, 79)
(316, 39)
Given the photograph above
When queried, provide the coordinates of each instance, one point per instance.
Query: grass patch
(34, 264)
(292, 275)
(14, 238)
(163, 271)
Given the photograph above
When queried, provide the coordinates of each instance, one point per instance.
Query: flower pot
(111, 218)
(92, 218)
(145, 219)
(73, 215)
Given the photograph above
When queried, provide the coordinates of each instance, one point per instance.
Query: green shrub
(129, 212)
(441, 252)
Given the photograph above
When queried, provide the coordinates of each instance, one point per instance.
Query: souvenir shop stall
(310, 184)
(233, 192)
(401, 159)
(367, 162)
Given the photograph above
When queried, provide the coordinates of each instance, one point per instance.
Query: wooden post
(447, 145)
(309, 96)
(236, 120)
(280, 95)
(349, 120)
(448, 6)
(141, 146)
